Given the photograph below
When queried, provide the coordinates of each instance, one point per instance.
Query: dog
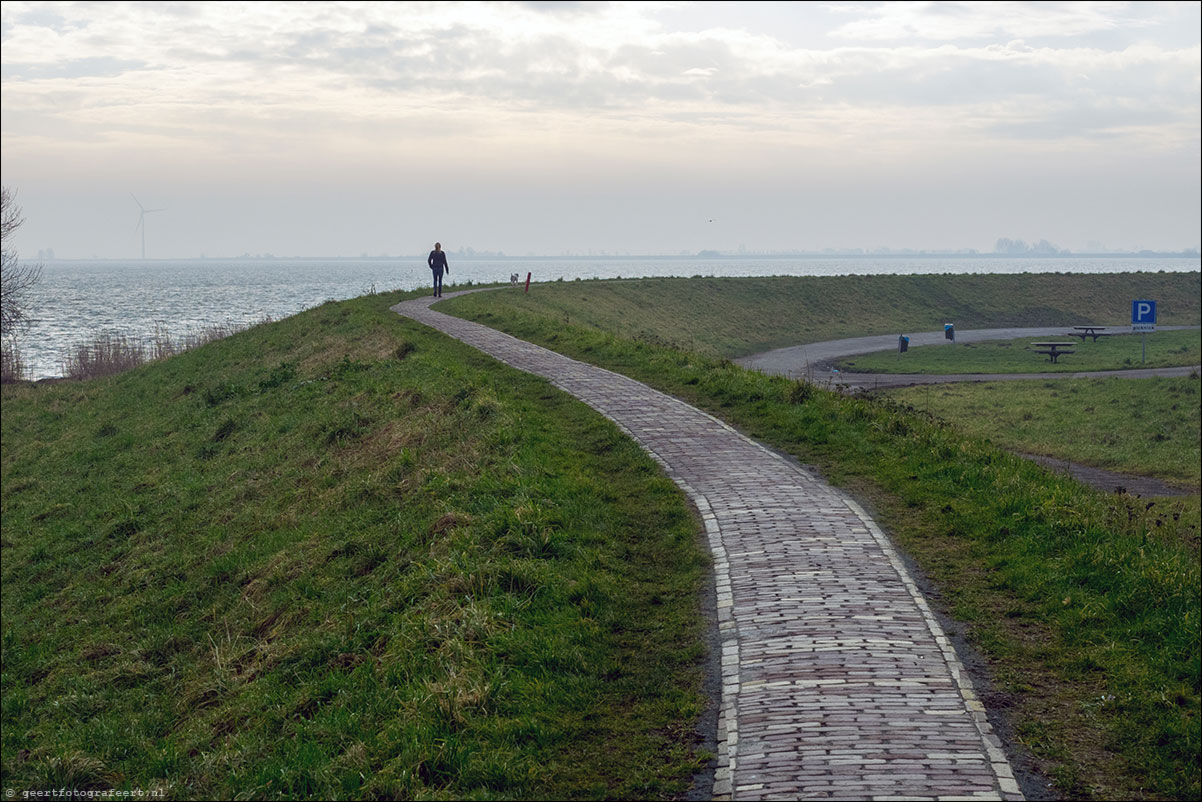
(513, 279)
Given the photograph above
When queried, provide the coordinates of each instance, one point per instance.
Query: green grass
(340, 556)
(1165, 349)
(734, 317)
(1148, 427)
(1085, 605)
(730, 317)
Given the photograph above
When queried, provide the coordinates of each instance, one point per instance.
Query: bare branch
(16, 279)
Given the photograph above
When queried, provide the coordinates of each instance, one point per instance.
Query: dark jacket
(438, 261)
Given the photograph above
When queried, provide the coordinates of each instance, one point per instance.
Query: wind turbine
(143, 211)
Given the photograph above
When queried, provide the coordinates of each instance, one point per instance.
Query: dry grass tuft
(110, 354)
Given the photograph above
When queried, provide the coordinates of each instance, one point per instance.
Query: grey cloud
(573, 8)
(37, 16)
(466, 61)
(952, 82)
(1095, 123)
(944, 21)
(464, 68)
(98, 67)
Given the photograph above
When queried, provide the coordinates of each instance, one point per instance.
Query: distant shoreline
(704, 255)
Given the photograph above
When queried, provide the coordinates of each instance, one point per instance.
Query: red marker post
(527, 282)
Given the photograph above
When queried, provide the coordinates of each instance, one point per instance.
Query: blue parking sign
(1143, 315)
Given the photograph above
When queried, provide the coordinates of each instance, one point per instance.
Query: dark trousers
(437, 271)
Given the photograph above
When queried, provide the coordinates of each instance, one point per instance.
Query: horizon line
(472, 255)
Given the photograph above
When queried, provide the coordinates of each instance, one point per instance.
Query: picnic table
(1088, 331)
(1054, 350)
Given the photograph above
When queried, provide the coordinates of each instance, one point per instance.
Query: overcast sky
(339, 129)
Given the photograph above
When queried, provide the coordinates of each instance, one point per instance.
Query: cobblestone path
(838, 682)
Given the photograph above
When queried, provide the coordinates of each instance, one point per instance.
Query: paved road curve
(813, 361)
(838, 682)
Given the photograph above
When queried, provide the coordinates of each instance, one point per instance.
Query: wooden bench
(1088, 331)
(1053, 350)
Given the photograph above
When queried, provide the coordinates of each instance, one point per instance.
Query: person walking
(438, 263)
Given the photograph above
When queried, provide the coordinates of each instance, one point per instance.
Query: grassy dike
(733, 317)
(340, 556)
(1084, 605)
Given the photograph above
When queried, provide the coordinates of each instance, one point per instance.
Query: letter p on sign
(1143, 315)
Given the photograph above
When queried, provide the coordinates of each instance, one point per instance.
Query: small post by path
(527, 283)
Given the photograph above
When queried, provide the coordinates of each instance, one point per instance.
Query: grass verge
(1086, 606)
(340, 556)
(1148, 427)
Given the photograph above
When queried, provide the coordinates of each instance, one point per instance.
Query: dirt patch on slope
(1109, 481)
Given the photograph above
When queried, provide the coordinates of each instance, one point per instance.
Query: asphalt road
(815, 360)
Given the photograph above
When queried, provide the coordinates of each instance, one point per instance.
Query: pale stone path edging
(837, 680)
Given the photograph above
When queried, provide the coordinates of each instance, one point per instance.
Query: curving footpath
(837, 681)
(813, 362)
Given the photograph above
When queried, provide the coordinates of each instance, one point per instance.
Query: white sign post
(1143, 320)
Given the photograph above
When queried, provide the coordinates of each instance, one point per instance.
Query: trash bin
(903, 342)
(949, 331)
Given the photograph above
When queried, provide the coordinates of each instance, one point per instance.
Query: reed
(108, 354)
(12, 366)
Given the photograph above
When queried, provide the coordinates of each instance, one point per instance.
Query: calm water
(76, 300)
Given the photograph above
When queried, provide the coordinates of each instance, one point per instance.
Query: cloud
(607, 94)
(947, 21)
(183, 65)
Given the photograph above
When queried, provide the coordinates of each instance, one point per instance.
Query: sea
(76, 300)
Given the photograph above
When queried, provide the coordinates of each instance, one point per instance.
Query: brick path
(838, 682)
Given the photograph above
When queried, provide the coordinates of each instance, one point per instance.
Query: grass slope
(728, 317)
(337, 557)
(734, 317)
(1147, 428)
(1085, 605)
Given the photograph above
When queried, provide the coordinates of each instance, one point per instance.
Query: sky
(348, 129)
